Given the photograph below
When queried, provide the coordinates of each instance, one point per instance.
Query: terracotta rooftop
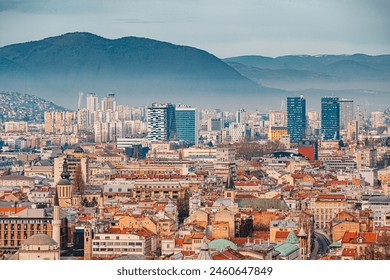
(327, 197)
(229, 254)
(348, 252)
(356, 238)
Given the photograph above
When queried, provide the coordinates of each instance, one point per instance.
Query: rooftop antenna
(282, 105)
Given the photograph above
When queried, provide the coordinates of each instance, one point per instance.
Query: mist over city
(195, 130)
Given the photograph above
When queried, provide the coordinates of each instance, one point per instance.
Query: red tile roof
(348, 252)
(327, 197)
(229, 254)
(179, 242)
(353, 237)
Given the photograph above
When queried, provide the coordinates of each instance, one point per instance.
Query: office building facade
(346, 113)
(186, 124)
(330, 118)
(296, 118)
(161, 122)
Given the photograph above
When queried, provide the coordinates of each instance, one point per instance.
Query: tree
(379, 250)
(78, 180)
(247, 150)
(246, 227)
(7, 172)
(383, 246)
(261, 227)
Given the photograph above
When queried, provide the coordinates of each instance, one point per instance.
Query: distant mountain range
(300, 72)
(142, 71)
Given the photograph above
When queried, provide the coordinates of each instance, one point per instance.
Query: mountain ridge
(322, 71)
(129, 65)
(142, 71)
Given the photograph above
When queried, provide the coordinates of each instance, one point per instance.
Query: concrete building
(15, 180)
(325, 207)
(237, 132)
(121, 242)
(161, 122)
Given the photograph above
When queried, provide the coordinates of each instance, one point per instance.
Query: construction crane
(79, 101)
(282, 105)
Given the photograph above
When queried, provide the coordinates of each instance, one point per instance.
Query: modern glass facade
(161, 122)
(186, 124)
(330, 118)
(346, 112)
(296, 118)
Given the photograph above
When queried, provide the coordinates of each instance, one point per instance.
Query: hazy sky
(224, 28)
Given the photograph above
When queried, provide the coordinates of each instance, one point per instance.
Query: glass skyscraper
(296, 118)
(330, 118)
(186, 124)
(161, 122)
(346, 113)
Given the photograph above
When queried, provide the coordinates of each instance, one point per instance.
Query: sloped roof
(261, 203)
(353, 237)
(292, 238)
(40, 239)
(221, 244)
(229, 254)
(16, 177)
(286, 249)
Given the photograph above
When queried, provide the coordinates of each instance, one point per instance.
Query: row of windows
(7, 221)
(117, 243)
(147, 187)
(19, 226)
(117, 249)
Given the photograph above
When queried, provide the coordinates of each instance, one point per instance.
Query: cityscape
(173, 182)
(216, 139)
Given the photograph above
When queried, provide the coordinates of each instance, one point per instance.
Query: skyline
(269, 28)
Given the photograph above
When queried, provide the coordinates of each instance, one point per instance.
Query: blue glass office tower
(186, 124)
(296, 118)
(330, 118)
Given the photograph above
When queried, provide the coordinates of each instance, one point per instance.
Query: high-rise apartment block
(60, 122)
(278, 118)
(108, 103)
(92, 106)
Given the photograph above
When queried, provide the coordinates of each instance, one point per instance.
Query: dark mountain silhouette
(142, 71)
(138, 69)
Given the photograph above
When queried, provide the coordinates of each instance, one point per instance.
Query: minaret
(204, 251)
(101, 207)
(56, 223)
(87, 242)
